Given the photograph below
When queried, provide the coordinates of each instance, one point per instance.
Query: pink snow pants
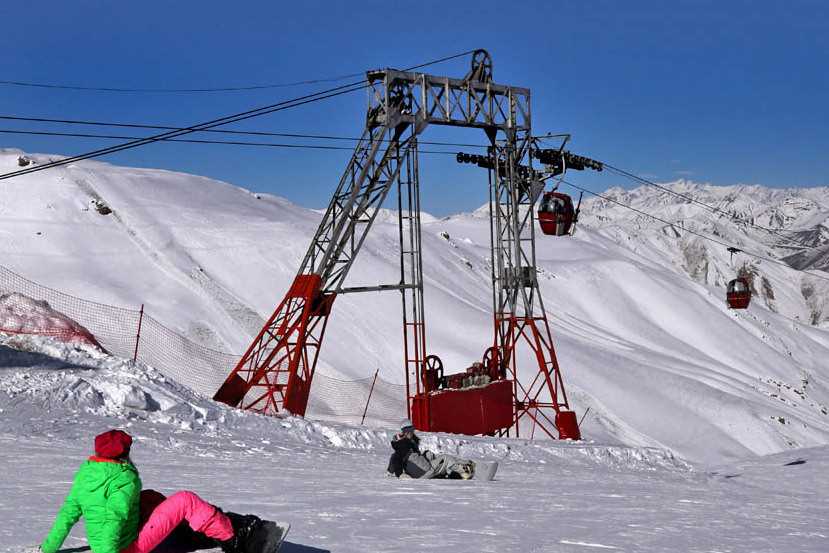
(199, 514)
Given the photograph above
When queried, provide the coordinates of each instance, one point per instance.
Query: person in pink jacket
(120, 518)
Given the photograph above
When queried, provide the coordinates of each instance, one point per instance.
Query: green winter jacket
(105, 493)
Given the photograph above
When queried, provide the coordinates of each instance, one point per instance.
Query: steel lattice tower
(276, 371)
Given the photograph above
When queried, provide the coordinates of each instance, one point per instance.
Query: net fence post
(368, 399)
(138, 334)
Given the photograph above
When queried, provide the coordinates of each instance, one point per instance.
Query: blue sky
(716, 91)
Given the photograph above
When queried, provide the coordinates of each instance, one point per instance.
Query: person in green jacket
(106, 492)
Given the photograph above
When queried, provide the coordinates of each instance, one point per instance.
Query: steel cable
(251, 133)
(712, 209)
(257, 112)
(684, 229)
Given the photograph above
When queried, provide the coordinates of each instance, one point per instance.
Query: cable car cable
(179, 90)
(711, 208)
(790, 242)
(256, 112)
(616, 170)
(325, 147)
(287, 104)
(217, 131)
(200, 90)
(758, 256)
(202, 141)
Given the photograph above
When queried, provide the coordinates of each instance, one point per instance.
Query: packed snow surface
(328, 480)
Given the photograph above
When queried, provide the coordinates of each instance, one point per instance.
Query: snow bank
(49, 387)
(20, 314)
(81, 378)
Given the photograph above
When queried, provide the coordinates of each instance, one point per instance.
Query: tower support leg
(276, 371)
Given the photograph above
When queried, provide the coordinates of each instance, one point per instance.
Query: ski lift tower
(275, 373)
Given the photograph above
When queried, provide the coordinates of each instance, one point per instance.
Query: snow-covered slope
(327, 480)
(790, 226)
(656, 356)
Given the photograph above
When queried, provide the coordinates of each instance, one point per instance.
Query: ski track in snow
(179, 266)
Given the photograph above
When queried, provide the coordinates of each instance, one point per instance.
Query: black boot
(243, 526)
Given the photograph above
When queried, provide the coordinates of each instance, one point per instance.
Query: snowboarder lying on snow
(407, 458)
(107, 492)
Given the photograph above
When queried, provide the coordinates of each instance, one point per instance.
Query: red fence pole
(138, 335)
(369, 396)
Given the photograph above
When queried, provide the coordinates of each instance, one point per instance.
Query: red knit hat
(113, 444)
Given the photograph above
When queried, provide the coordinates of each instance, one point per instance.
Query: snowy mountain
(790, 226)
(655, 355)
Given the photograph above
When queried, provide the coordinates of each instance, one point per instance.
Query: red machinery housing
(476, 401)
(480, 400)
(483, 409)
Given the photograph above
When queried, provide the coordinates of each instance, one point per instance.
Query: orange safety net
(193, 365)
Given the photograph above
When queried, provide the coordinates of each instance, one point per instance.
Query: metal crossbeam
(378, 288)
(431, 100)
(401, 106)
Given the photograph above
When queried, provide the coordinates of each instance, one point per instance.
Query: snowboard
(486, 471)
(267, 537)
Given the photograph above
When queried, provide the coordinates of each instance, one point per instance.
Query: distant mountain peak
(789, 225)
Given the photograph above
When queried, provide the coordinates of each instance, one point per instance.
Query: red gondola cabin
(738, 293)
(556, 213)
